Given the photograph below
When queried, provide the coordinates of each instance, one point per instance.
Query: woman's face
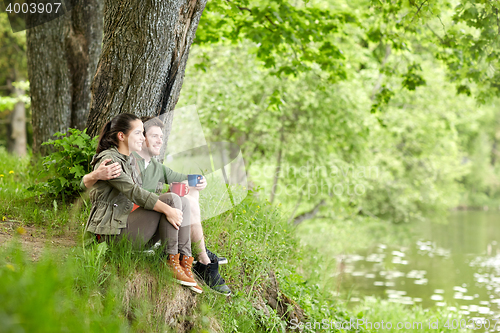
(135, 137)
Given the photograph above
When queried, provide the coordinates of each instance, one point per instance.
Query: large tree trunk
(145, 49)
(62, 58)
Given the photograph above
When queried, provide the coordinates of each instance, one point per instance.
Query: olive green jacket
(112, 200)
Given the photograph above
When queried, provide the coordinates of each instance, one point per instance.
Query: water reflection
(455, 266)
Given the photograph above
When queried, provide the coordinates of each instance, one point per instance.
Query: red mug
(180, 189)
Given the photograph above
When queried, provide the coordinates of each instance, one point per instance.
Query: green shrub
(70, 161)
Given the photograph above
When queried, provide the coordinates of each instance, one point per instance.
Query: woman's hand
(174, 216)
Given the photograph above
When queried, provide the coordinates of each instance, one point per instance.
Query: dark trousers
(148, 226)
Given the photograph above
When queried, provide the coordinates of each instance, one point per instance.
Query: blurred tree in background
(376, 108)
(13, 71)
(394, 125)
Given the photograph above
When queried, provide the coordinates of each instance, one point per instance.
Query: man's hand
(202, 184)
(103, 172)
(107, 172)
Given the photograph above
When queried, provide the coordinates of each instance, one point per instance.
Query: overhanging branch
(310, 214)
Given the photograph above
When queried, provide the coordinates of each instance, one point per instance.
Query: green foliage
(290, 38)
(69, 162)
(13, 56)
(401, 148)
(463, 35)
(412, 79)
(480, 140)
(83, 290)
(381, 99)
(7, 103)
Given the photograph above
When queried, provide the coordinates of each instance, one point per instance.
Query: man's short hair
(151, 122)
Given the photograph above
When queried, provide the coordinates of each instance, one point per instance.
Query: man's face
(154, 141)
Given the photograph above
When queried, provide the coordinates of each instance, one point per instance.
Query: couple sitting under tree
(125, 205)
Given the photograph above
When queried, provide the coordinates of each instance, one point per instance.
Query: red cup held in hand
(180, 189)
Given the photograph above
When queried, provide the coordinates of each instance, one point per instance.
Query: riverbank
(273, 277)
(274, 281)
(120, 290)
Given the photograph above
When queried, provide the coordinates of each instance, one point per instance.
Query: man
(152, 176)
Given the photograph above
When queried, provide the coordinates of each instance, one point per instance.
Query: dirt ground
(34, 239)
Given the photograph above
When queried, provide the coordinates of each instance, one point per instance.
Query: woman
(164, 217)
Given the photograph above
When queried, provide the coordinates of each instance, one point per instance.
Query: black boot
(213, 257)
(210, 275)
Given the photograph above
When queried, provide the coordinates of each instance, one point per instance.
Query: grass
(257, 240)
(252, 235)
(19, 203)
(117, 289)
(43, 296)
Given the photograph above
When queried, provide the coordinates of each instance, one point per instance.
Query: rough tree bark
(62, 58)
(145, 48)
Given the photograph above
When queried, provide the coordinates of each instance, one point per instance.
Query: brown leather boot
(180, 277)
(186, 264)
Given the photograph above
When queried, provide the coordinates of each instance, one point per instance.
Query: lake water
(454, 265)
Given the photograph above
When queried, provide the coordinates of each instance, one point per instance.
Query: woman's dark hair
(120, 123)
